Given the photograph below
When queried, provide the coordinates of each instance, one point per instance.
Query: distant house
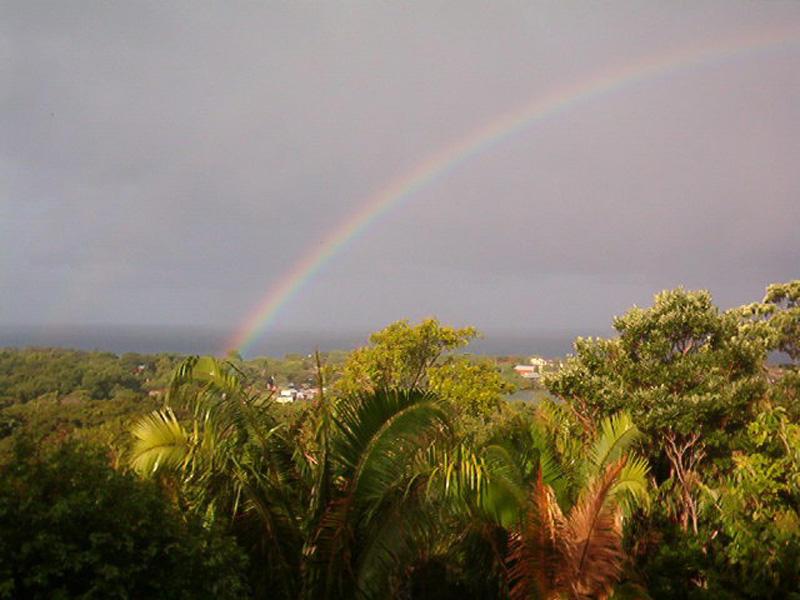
(286, 395)
(528, 371)
(533, 370)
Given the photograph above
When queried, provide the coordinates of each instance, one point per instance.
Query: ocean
(194, 340)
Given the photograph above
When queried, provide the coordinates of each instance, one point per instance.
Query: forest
(662, 462)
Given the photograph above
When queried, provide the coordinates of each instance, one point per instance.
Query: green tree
(230, 466)
(783, 303)
(759, 510)
(73, 527)
(477, 389)
(400, 356)
(686, 373)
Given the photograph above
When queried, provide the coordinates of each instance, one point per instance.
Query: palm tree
(328, 508)
(576, 552)
(231, 464)
(374, 513)
(370, 495)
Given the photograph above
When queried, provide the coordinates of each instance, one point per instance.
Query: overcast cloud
(169, 162)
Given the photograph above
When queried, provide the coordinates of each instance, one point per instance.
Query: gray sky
(168, 163)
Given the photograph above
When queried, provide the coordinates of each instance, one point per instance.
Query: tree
(783, 302)
(476, 389)
(325, 506)
(73, 527)
(776, 321)
(231, 466)
(686, 374)
(759, 509)
(400, 356)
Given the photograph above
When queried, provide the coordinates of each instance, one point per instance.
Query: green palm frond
(632, 486)
(616, 435)
(394, 543)
(209, 386)
(458, 483)
(506, 490)
(161, 443)
(358, 419)
(385, 459)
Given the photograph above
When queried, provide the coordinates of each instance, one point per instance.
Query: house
(286, 395)
(528, 371)
(533, 370)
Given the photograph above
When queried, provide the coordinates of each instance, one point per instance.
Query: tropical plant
(536, 528)
(577, 551)
(71, 526)
(230, 464)
(327, 507)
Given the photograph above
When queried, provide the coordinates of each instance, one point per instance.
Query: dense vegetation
(73, 527)
(666, 464)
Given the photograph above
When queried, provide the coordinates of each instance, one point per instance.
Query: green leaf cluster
(73, 527)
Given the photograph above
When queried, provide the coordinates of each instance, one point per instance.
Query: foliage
(54, 393)
(400, 356)
(73, 527)
(679, 365)
(532, 524)
(474, 388)
(235, 464)
(758, 506)
(689, 374)
(31, 372)
(695, 380)
(410, 477)
(367, 494)
(783, 303)
(227, 467)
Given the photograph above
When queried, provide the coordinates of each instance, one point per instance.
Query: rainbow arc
(427, 172)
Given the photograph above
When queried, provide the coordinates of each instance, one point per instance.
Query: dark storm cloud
(169, 162)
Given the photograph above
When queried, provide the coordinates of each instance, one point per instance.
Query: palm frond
(386, 457)
(593, 539)
(398, 539)
(632, 485)
(535, 552)
(617, 434)
(161, 443)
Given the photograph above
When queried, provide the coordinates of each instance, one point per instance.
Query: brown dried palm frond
(592, 539)
(535, 549)
(578, 556)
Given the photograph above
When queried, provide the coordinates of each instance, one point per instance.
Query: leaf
(592, 538)
(617, 434)
(161, 442)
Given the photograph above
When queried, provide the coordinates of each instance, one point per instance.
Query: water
(187, 340)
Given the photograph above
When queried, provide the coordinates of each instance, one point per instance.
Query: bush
(73, 527)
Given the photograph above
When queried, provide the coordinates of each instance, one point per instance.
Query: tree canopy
(71, 526)
(663, 463)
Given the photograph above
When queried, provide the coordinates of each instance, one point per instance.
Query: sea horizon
(187, 340)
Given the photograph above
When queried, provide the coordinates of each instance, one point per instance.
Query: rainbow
(478, 141)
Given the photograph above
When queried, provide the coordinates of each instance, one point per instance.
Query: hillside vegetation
(664, 463)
